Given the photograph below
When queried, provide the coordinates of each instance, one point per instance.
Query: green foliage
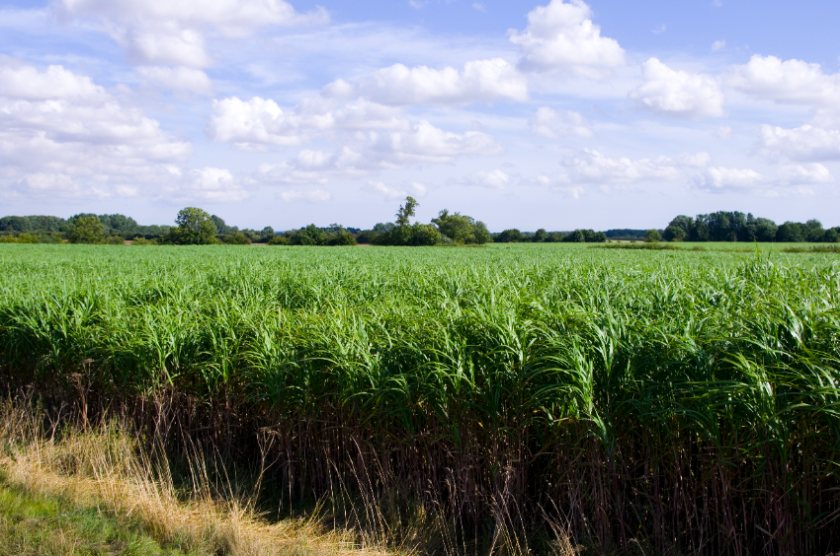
(652, 236)
(585, 236)
(236, 238)
(31, 524)
(313, 235)
(509, 236)
(85, 228)
(461, 229)
(647, 395)
(194, 227)
(406, 211)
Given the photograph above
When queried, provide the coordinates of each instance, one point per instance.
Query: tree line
(738, 226)
(195, 226)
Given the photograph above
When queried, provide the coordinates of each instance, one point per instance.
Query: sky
(555, 114)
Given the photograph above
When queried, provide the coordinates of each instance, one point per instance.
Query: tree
(765, 229)
(511, 235)
(221, 227)
(674, 233)
(791, 232)
(310, 235)
(85, 228)
(119, 225)
(406, 211)
(461, 228)
(653, 236)
(814, 230)
(266, 234)
(195, 227)
(832, 235)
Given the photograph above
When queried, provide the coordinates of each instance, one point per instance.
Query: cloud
(177, 79)
(174, 32)
(787, 179)
(808, 143)
(19, 81)
(492, 179)
(721, 178)
(377, 134)
(253, 122)
(561, 36)
(309, 196)
(594, 167)
(391, 192)
(209, 185)
(554, 124)
(61, 136)
(678, 92)
(803, 174)
(718, 45)
(423, 142)
(480, 80)
(786, 81)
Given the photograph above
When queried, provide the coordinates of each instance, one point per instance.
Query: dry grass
(104, 468)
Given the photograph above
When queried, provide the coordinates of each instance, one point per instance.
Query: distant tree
(341, 236)
(511, 235)
(765, 229)
(85, 228)
(266, 234)
(119, 225)
(424, 234)
(832, 235)
(35, 224)
(814, 230)
(406, 211)
(674, 233)
(194, 227)
(221, 227)
(236, 238)
(577, 236)
(461, 228)
(791, 232)
(310, 235)
(278, 240)
(540, 236)
(653, 236)
(680, 228)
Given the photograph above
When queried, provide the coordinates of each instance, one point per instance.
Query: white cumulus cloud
(720, 178)
(555, 124)
(678, 92)
(594, 167)
(173, 32)
(64, 136)
(808, 143)
(562, 36)
(181, 79)
(786, 81)
(479, 80)
(307, 195)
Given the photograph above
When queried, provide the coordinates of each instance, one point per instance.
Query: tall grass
(676, 402)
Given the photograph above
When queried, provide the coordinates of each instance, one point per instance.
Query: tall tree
(85, 228)
(406, 211)
(195, 227)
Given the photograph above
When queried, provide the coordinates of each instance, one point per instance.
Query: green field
(682, 401)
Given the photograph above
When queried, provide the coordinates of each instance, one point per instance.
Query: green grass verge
(32, 524)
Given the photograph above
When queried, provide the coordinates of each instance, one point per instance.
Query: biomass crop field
(684, 402)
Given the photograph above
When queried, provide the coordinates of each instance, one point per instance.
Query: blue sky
(556, 114)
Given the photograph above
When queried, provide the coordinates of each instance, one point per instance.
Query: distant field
(732, 246)
(678, 398)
